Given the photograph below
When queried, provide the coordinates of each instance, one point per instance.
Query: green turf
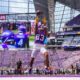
(15, 31)
(31, 38)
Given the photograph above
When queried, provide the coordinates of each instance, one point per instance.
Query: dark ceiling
(74, 4)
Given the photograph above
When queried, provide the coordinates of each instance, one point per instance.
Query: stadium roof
(74, 22)
(43, 4)
(74, 4)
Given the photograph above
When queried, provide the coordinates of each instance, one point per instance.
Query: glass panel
(20, 5)
(31, 10)
(31, 6)
(2, 3)
(19, 0)
(17, 10)
(3, 9)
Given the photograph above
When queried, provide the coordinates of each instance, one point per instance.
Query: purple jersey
(7, 38)
(40, 35)
(20, 40)
(4, 45)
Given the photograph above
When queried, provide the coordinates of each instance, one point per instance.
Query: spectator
(19, 67)
(73, 69)
(77, 68)
(37, 71)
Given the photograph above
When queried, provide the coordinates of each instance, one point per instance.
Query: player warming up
(21, 39)
(7, 38)
(40, 40)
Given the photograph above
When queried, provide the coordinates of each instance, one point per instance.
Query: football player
(21, 38)
(7, 38)
(40, 40)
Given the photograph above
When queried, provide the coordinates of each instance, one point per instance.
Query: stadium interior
(63, 22)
